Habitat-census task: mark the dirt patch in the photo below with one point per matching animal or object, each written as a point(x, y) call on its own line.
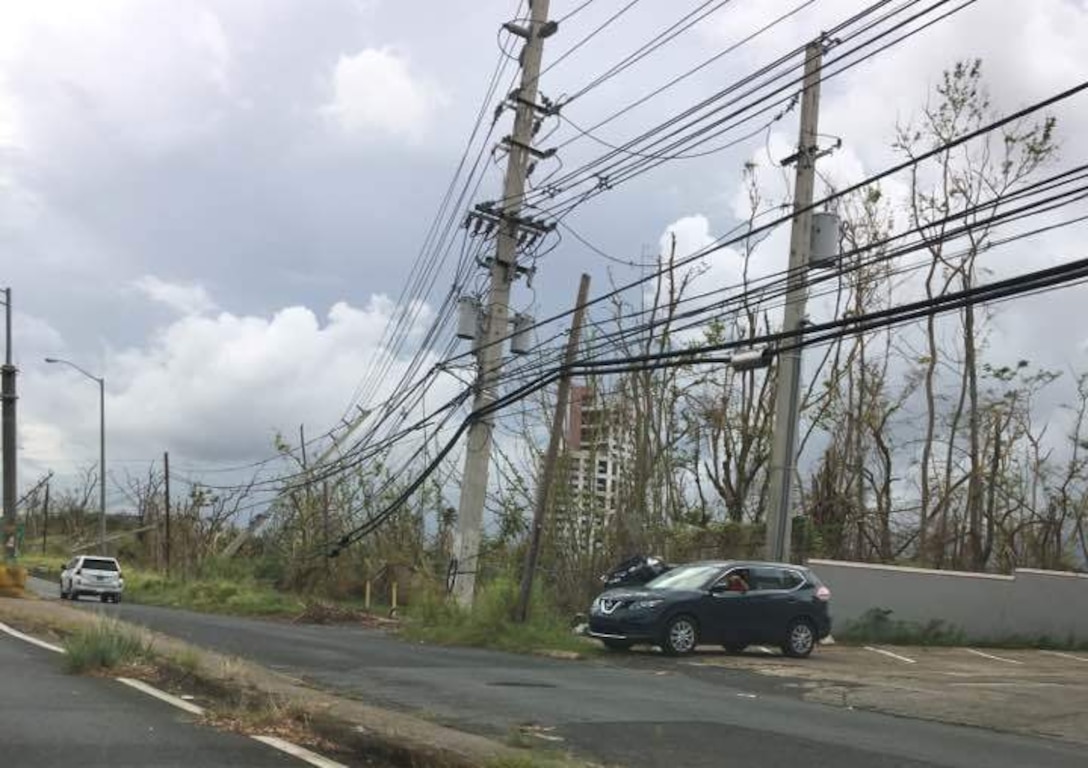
point(329, 613)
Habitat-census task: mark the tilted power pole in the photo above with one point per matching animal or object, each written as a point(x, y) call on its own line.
point(503, 271)
point(547, 472)
point(788, 393)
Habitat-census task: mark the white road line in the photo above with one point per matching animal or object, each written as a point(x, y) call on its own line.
point(896, 656)
point(1066, 656)
point(300, 752)
point(276, 743)
point(169, 698)
point(991, 656)
point(32, 640)
point(1009, 684)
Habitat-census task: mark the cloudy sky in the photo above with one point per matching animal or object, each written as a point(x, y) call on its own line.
point(215, 204)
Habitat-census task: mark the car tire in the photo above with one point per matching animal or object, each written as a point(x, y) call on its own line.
point(681, 636)
point(735, 648)
point(73, 595)
point(63, 594)
point(800, 638)
point(104, 598)
point(615, 644)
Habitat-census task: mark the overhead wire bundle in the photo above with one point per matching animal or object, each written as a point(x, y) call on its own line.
point(1057, 191)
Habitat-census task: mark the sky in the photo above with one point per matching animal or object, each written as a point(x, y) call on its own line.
point(215, 205)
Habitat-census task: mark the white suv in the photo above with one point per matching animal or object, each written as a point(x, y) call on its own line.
point(92, 575)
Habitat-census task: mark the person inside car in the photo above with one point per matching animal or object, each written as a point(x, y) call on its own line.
point(736, 582)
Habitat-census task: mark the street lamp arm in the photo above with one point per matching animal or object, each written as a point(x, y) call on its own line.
point(101, 446)
point(73, 365)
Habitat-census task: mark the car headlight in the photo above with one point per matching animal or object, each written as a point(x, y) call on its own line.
point(645, 605)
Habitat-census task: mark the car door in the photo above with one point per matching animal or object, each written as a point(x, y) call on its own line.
point(775, 601)
point(729, 610)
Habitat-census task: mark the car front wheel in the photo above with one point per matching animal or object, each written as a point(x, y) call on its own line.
point(681, 636)
point(800, 639)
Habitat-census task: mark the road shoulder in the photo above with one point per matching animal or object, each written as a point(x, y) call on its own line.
point(395, 736)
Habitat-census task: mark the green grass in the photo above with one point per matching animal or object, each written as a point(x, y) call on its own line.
point(233, 596)
point(877, 626)
point(44, 566)
point(489, 624)
point(103, 645)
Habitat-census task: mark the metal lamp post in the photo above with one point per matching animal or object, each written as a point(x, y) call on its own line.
point(101, 447)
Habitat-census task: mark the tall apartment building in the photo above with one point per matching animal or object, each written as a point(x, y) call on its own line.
point(594, 457)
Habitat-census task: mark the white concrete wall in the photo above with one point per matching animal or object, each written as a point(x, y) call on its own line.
point(1028, 604)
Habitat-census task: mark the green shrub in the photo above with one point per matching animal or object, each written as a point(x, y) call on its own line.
point(490, 623)
point(877, 626)
point(103, 645)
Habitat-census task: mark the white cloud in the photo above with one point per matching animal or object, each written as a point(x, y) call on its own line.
point(139, 74)
point(374, 91)
point(186, 299)
point(210, 389)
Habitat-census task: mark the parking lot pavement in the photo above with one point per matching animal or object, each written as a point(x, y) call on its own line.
point(1026, 691)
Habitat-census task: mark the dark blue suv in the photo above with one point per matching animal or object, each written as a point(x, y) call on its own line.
point(730, 603)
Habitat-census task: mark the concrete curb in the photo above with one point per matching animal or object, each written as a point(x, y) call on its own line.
point(400, 738)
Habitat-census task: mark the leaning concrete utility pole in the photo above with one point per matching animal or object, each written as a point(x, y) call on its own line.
point(7, 413)
point(503, 271)
point(788, 393)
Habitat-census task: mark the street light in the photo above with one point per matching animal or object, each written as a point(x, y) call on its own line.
point(101, 448)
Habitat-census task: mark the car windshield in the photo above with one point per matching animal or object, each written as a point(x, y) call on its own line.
point(686, 577)
point(93, 564)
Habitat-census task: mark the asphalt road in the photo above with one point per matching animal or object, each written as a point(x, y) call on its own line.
point(647, 712)
point(50, 719)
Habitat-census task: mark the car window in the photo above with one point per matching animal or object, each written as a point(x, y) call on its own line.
point(735, 580)
point(764, 579)
point(791, 579)
point(685, 577)
point(768, 578)
point(98, 564)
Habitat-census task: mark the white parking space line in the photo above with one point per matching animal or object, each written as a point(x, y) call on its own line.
point(32, 640)
point(1009, 684)
point(151, 690)
point(992, 657)
point(300, 752)
point(889, 654)
point(765, 650)
point(1061, 655)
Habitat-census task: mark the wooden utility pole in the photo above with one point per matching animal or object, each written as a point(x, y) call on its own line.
point(503, 271)
point(166, 499)
point(788, 392)
point(547, 473)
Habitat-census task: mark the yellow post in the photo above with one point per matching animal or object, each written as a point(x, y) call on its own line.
point(366, 599)
point(394, 605)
